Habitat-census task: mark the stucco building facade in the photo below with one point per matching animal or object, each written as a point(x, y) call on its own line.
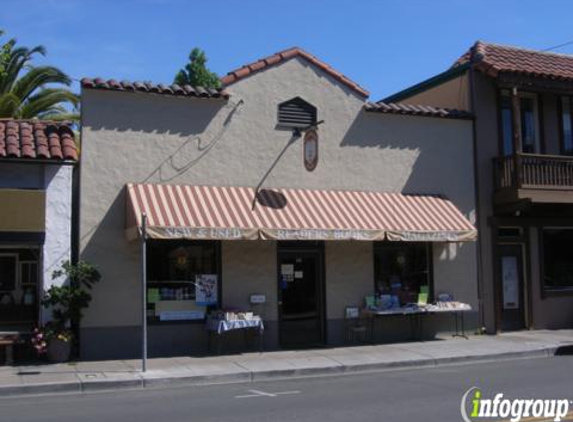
point(213, 144)
point(523, 146)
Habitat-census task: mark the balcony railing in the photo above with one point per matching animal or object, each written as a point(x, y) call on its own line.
point(534, 171)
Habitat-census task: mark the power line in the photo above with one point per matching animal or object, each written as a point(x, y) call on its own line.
point(558, 46)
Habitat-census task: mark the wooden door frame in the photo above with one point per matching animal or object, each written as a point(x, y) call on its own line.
point(318, 249)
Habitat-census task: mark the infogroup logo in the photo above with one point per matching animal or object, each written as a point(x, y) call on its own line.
point(475, 407)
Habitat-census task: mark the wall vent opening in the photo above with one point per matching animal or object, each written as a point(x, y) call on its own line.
point(296, 113)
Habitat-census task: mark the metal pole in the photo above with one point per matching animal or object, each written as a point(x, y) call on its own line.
point(144, 291)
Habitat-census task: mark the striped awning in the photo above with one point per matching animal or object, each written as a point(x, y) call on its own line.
point(206, 212)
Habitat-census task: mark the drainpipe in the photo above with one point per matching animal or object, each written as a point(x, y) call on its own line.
point(480, 287)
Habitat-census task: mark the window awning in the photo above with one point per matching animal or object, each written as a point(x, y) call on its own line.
point(206, 212)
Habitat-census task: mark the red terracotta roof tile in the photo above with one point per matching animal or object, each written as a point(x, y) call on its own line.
point(284, 55)
point(416, 110)
point(492, 59)
point(185, 90)
point(37, 139)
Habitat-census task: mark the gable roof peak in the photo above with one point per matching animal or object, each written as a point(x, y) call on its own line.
point(284, 55)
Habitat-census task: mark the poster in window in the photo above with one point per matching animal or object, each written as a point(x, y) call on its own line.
point(206, 289)
point(510, 282)
point(287, 272)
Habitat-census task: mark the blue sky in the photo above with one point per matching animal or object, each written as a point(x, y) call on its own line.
point(384, 46)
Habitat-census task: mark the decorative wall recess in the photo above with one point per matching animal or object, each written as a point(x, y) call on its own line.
point(310, 148)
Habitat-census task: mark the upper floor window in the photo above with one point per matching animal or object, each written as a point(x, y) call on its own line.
point(557, 258)
point(296, 113)
point(506, 125)
point(529, 123)
point(566, 130)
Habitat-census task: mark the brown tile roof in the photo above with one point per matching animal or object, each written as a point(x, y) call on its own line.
point(36, 139)
point(416, 110)
point(493, 58)
point(284, 55)
point(174, 89)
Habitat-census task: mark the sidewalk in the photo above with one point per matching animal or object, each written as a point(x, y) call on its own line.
point(119, 374)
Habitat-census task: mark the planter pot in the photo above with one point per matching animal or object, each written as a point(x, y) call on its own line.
point(58, 350)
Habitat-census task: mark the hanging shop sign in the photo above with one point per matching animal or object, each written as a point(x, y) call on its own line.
point(310, 149)
point(431, 236)
point(265, 233)
point(206, 233)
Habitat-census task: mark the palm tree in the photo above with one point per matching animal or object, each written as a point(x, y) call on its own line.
point(26, 91)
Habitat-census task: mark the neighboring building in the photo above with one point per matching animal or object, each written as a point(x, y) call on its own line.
point(37, 161)
point(232, 185)
point(522, 103)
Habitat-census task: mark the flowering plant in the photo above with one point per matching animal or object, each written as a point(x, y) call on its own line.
point(50, 331)
point(66, 303)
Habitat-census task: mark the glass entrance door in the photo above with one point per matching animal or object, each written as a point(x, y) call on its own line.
point(300, 287)
point(512, 287)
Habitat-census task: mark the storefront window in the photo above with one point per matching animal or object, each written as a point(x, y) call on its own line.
point(558, 259)
point(19, 281)
point(401, 269)
point(174, 271)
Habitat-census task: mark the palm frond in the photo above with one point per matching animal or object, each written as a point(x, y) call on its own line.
point(48, 100)
point(38, 77)
point(61, 117)
point(9, 105)
point(23, 92)
point(18, 59)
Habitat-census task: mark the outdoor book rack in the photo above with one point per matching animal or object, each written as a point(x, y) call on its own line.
point(416, 318)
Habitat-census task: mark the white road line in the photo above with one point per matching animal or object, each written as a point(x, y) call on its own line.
point(258, 393)
point(262, 393)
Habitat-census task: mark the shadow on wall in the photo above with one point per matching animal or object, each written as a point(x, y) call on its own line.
point(187, 128)
point(108, 235)
point(191, 151)
point(160, 114)
point(418, 152)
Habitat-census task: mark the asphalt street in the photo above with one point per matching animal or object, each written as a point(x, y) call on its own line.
point(432, 394)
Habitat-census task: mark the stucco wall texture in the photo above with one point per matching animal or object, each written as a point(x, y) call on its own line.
point(135, 137)
point(450, 94)
point(57, 245)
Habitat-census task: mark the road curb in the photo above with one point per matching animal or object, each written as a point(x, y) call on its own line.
point(146, 381)
point(182, 380)
point(39, 389)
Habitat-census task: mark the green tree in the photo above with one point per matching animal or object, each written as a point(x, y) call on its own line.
point(28, 91)
point(196, 72)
